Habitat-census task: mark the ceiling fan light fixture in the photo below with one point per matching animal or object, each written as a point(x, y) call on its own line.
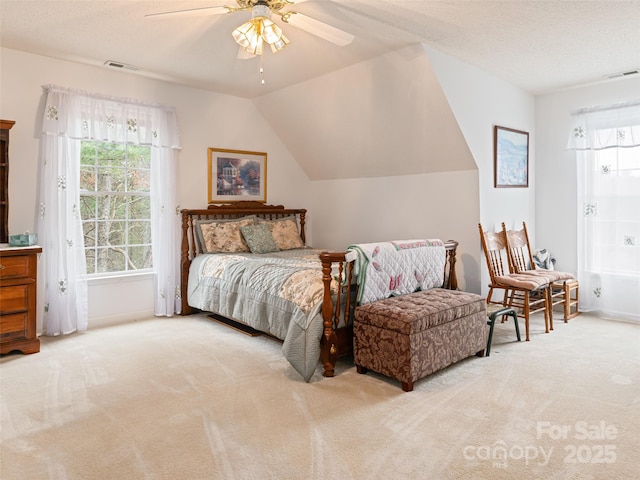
point(271, 33)
point(260, 29)
point(249, 36)
point(279, 44)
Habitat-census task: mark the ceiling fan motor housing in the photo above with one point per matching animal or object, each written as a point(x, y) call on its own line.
point(261, 9)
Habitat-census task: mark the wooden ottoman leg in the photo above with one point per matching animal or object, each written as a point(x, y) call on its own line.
point(360, 369)
point(407, 386)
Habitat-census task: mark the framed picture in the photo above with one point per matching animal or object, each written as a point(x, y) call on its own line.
point(237, 175)
point(510, 158)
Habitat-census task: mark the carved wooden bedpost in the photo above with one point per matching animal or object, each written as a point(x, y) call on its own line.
point(451, 280)
point(184, 264)
point(302, 230)
point(329, 341)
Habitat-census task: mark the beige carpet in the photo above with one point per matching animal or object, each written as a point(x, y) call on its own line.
point(186, 398)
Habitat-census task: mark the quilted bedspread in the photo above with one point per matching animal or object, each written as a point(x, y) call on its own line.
point(399, 267)
point(278, 293)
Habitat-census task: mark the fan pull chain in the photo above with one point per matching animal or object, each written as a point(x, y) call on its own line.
point(262, 69)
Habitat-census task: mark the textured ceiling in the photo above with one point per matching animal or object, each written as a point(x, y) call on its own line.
point(537, 45)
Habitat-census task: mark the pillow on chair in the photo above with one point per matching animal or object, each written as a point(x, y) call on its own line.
point(542, 258)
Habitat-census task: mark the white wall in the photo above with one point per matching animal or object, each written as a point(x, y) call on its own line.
point(480, 101)
point(206, 119)
point(445, 204)
point(439, 205)
point(556, 199)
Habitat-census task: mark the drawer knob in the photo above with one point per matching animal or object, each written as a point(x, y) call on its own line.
point(2, 267)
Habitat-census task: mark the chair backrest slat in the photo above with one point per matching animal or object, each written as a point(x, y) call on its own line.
point(518, 249)
point(494, 246)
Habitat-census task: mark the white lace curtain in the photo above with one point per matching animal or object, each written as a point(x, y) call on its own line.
point(71, 116)
point(607, 145)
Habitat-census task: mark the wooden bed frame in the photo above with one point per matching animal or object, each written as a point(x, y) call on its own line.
point(337, 337)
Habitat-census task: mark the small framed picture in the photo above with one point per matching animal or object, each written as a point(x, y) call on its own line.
point(510, 158)
point(237, 175)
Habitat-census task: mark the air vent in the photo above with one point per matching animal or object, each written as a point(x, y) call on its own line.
point(123, 66)
point(622, 74)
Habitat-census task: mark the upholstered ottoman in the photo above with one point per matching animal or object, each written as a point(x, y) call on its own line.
point(411, 336)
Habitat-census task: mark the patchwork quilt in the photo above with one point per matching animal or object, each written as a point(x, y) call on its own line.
point(398, 267)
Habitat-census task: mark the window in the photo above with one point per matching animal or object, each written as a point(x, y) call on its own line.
point(613, 208)
point(607, 144)
point(115, 207)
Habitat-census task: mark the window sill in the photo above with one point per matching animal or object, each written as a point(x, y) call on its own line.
point(119, 278)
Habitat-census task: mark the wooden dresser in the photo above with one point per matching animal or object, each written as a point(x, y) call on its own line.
point(18, 284)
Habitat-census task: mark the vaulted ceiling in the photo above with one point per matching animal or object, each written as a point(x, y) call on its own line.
point(536, 45)
point(372, 108)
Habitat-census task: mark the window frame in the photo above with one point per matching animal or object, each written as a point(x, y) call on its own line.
point(127, 220)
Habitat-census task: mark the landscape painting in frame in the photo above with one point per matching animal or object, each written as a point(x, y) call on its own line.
point(511, 157)
point(237, 175)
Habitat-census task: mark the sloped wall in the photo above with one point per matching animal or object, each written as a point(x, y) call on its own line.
point(384, 117)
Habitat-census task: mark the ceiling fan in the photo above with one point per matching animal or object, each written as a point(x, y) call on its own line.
point(253, 34)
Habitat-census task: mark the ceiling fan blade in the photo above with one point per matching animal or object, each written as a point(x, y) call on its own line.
point(192, 12)
point(320, 29)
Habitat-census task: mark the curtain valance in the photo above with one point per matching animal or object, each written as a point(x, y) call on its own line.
point(87, 116)
point(612, 127)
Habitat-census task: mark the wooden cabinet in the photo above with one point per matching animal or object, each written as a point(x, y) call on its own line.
point(5, 126)
point(18, 286)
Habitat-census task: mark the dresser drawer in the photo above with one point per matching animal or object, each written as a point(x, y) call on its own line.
point(14, 267)
point(13, 326)
point(14, 298)
point(18, 291)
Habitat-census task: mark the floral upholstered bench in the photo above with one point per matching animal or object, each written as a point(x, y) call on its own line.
point(408, 337)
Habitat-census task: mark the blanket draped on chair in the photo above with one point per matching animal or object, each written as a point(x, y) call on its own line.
point(398, 267)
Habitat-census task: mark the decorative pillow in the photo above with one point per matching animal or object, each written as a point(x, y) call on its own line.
point(284, 232)
point(259, 238)
point(198, 228)
point(224, 236)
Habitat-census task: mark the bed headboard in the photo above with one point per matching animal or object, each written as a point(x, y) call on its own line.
point(190, 247)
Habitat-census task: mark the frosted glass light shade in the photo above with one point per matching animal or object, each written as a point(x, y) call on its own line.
point(252, 34)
